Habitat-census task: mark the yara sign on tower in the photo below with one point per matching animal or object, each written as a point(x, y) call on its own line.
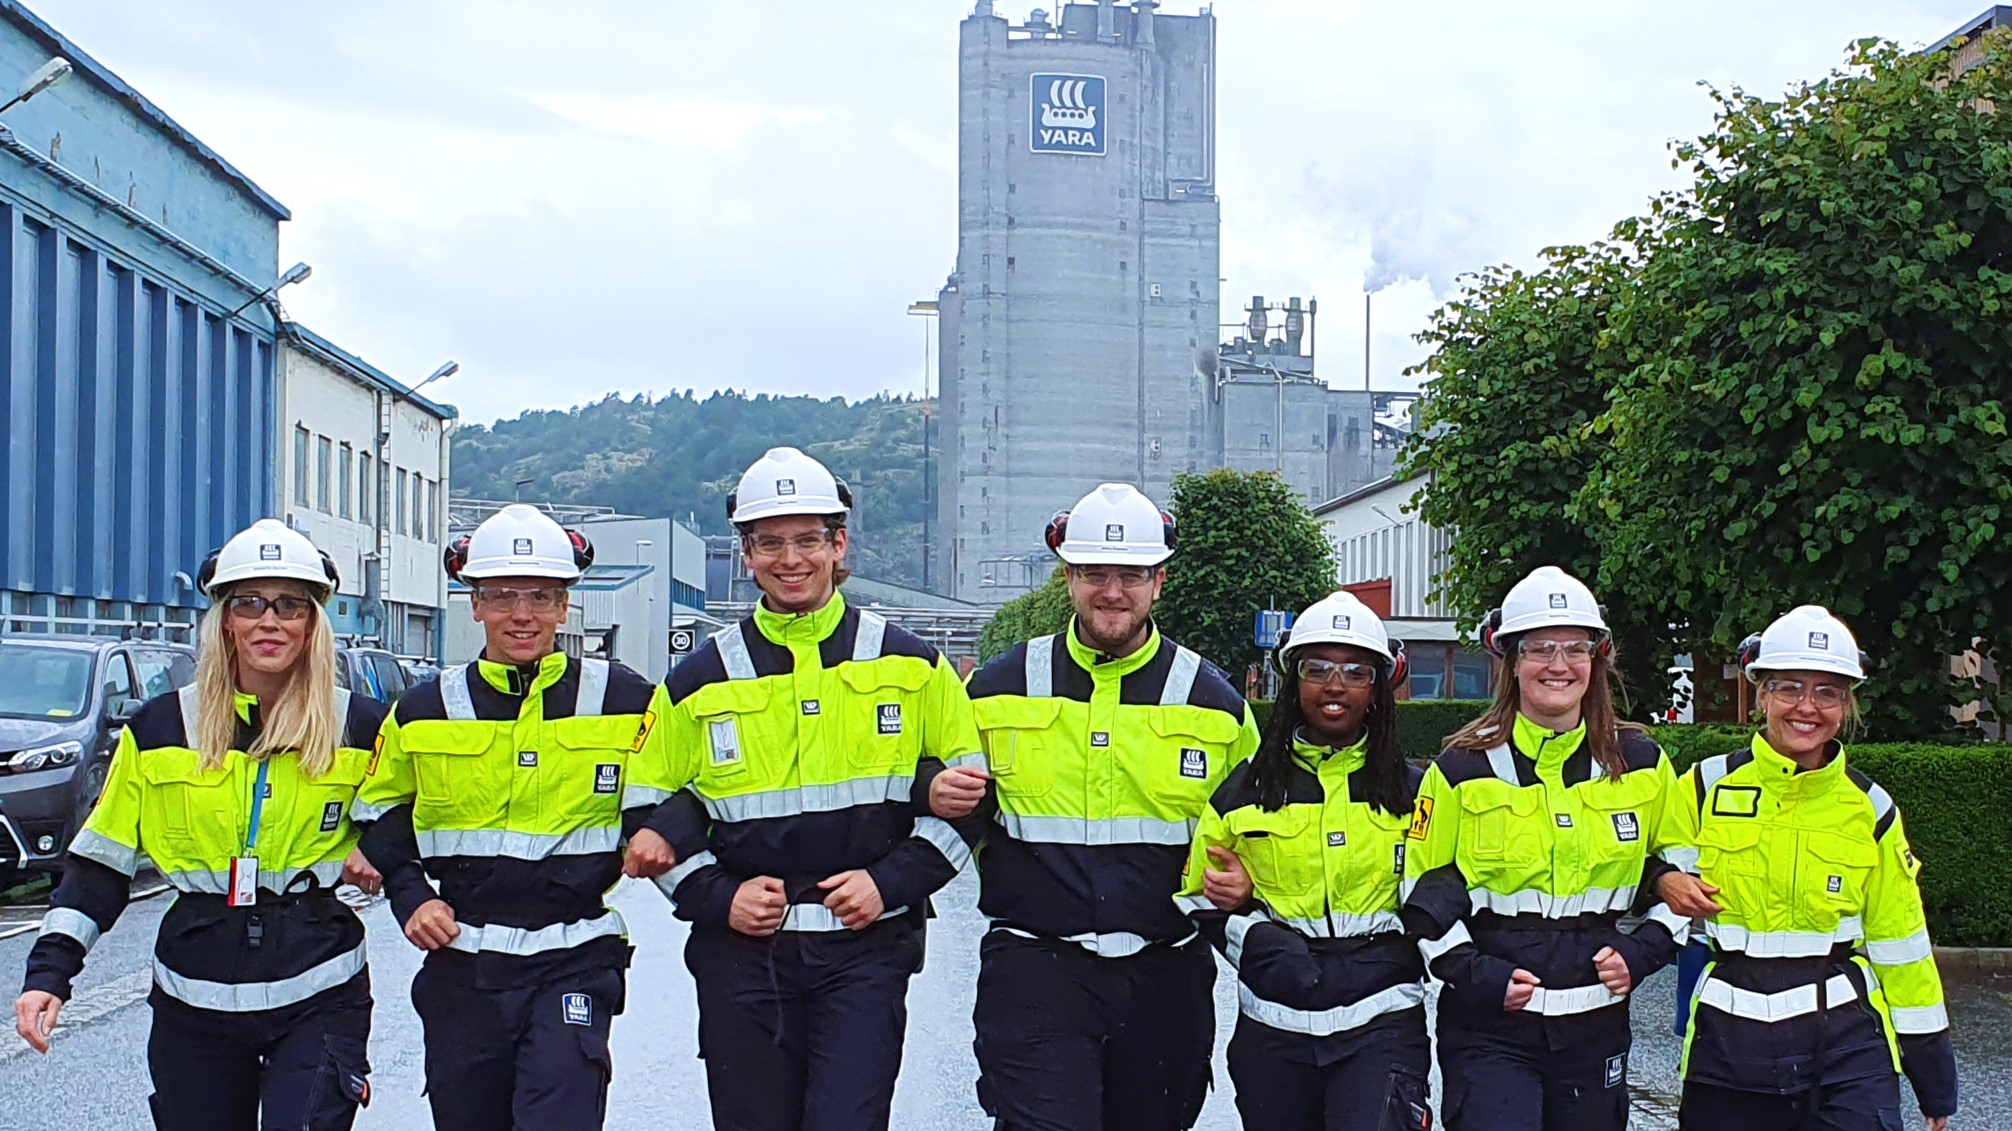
point(1067, 114)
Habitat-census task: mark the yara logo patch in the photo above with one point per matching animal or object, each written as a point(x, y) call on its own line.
point(1194, 763)
point(890, 718)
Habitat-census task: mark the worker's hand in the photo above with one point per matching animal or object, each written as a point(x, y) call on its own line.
point(854, 898)
point(1226, 885)
point(35, 1014)
point(758, 907)
point(1688, 895)
point(432, 926)
point(1937, 1122)
point(957, 791)
point(647, 856)
point(357, 870)
point(1613, 970)
point(1522, 983)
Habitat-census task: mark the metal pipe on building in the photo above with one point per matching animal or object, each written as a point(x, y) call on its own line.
point(1366, 296)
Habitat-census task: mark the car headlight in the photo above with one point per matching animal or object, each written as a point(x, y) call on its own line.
point(45, 757)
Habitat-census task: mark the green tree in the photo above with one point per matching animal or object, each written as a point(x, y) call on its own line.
point(1038, 612)
point(1519, 371)
point(1813, 405)
point(1247, 543)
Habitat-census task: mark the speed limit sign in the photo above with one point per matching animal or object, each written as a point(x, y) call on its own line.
point(683, 640)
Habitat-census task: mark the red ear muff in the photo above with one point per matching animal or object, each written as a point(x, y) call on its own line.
point(1058, 529)
point(1748, 651)
point(1490, 626)
point(1167, 530)
point(1400, 666)
point(583, 550)
point(455, 557)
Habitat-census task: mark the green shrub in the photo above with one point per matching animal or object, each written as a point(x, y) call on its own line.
point(1422, 724)
point(1689, 745)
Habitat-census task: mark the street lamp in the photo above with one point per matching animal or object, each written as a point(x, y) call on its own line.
point(521, 484)
point(47, 75)
point(294, 274)
point(926, 308)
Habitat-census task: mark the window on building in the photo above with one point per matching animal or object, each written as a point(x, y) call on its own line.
point(324, 456)
point(418, 506)
point(344, 468)
point(299, 466)
point(433, 511)
point(398, 527)
point(366, 489)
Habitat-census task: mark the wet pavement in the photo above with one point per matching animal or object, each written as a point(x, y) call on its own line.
point(96, 1076)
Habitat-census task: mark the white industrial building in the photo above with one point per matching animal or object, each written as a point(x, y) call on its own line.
point(363, 472)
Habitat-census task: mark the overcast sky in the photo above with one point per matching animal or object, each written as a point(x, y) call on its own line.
point(661, 194)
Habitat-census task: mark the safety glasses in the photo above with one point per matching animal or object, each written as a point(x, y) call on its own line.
point(1349, 674)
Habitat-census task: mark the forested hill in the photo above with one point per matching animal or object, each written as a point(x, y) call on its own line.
point(663, 458)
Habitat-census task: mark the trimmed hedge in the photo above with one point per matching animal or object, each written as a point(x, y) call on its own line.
point(1956, 802)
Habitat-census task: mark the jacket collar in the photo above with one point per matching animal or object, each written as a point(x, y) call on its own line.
point(800, 628)
point(1101, 666)
point(522, 680)
point(1545, 746)
point(1330, 759)
point(1779, 771)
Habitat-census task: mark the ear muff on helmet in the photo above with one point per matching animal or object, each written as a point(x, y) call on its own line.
point(1400, 665)
point(844, 492)
point(1748, 651)
point(455, 557)
point(1167, 534)
point(583, 550)
point(328, 567)
point(1490, 625)
point(1278, 661)
point(1058, 530)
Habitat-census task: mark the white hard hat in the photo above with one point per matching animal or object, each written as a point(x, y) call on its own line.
point(519, 541)
point(1112, 525)
point(785, 481)
point(1806, 638)
point(1342, 618)
point(1548, 598)
point(267, 550)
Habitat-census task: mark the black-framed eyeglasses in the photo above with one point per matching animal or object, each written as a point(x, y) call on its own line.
point(1349, 672)
point(251, 606)
point(1828, 696)
point(539, 598)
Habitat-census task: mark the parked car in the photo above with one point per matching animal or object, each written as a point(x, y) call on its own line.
point(63, 700)
point(371, 671)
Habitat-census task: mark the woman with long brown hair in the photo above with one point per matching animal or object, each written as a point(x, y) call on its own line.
point(238, 789)
point(1530, 838)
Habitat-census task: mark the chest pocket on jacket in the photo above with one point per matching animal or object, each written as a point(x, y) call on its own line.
point(337, 787)
point(189, 802)
point(1190, 757)
point(881, 725)
point(1274, 849)
point(588, 764)
point(451, 767)
point(1010, 728)
point(1731, 847)
point(732, 730)
point(1616, 816)
point(1499, 825)
point(1832, 871)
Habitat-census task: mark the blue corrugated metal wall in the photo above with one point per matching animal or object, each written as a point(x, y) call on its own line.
point(138, 424)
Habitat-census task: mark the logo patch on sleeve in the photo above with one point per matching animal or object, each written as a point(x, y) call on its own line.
point(890, 718)
point(1626, 827)
point(812, 706)
point(1194, 763)
point(643, 732)
point(1337, 839)
point(1736, 801)
point(376, 752)
point(1834, 885)
point(578, 1009)
point(607, 777)
point(527, 758)
point(1397, 868)
point(1100, 738)
point(331, 816)
point(1617, 1069)
point(726, 739)
point(1421, 819)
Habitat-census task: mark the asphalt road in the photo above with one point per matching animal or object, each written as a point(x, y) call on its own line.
point(96, 1075)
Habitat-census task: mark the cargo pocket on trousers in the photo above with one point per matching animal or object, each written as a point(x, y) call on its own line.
point(594, 1050)
point(340, 1087)
point(1405, 1106)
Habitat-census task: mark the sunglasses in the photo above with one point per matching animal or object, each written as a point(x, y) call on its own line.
point(251, 606)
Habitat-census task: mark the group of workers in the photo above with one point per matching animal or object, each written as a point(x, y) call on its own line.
point(804, 782)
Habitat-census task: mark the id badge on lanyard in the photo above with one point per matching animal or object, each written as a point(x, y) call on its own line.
point(244, 869)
